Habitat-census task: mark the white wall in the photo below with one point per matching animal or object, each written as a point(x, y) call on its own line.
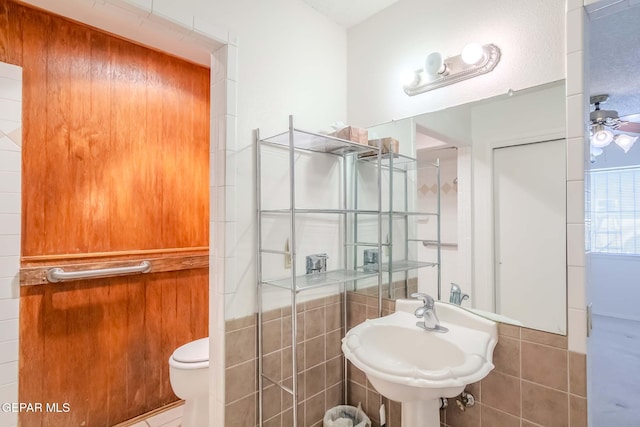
point(529, 34)
point(614, 286)
point(10, 208)
point(291, 60)
point(615, 291)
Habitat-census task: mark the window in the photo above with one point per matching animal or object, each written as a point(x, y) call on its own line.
point(615, 211)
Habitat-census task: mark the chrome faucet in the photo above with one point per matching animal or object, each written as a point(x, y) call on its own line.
point(456, 296)
point(427, 313)
point(316, 263)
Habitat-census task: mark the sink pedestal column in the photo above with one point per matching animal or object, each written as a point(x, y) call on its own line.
point(421, 413)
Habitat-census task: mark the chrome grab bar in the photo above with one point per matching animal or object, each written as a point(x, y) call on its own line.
point(56, 275)
point(436, 243)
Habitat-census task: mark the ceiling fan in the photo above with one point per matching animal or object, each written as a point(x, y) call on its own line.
point(605, 122)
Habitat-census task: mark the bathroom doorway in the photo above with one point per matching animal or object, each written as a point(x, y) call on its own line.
point(612, 217)
point(427, 193)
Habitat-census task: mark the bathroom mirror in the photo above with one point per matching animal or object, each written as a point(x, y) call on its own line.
point(502, 196)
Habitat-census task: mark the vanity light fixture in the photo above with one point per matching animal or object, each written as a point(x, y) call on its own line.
point(475, 60)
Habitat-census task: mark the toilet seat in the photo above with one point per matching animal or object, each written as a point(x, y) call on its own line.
point(192, 355)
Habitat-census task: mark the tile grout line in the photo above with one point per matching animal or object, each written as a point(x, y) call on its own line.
point(520, 382)
point(569, 387)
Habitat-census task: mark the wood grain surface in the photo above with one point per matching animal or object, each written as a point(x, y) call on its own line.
point(115, 168)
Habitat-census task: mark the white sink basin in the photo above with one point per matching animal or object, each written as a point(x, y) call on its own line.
point(416, 367)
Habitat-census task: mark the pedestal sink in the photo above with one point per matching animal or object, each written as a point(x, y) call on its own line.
point(416, 367)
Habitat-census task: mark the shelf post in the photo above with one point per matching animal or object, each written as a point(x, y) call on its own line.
point(294, 291)
point(439, 248)
point(259, 274)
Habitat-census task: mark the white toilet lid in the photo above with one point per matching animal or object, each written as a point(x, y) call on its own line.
point(193, 352)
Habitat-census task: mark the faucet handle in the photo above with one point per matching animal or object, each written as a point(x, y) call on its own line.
point(426, 299)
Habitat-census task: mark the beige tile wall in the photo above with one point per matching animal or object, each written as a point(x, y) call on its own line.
point(320, 365)
point(537, 381)
point(359, 391)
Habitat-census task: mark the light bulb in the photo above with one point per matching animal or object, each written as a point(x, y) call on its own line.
point(596, 151)
point(625, 141)
point(601, 137)
point(434, 65)
point(473, 54)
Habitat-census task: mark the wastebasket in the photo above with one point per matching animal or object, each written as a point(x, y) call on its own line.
point(346, 416)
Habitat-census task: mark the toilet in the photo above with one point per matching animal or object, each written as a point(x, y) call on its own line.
point(189, 377)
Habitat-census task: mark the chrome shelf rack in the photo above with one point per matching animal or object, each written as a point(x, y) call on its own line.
point(296, 141)
point(398, 164)
point(350, 156)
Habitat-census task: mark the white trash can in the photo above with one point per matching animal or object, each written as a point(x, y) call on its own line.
point(346, 416)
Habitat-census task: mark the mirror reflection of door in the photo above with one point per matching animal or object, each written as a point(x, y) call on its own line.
point(530, 233)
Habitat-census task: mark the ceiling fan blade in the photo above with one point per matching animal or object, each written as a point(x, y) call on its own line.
point(631, 118)
point(632, 127)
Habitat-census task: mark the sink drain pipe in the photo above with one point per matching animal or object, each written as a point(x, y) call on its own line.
point(444, 402)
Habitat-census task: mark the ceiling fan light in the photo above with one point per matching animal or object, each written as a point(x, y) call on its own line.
point(625, 141)
point(596, 151)
point(601, 137)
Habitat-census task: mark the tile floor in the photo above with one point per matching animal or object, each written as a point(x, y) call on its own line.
point(614, 353)
point(170, 418)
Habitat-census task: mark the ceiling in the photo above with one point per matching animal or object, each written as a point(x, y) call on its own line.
point(615, 58)
point(348, 13)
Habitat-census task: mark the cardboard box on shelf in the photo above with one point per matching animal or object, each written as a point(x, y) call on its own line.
point(353, 134)
point(387, 145)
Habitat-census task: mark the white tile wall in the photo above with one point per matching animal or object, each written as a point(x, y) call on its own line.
point(576, 297)
point(8, 352)
point(10, 209)
point(575, 116)
point(6, 144)
point(222, 227)
point(9, 223)
point(9, 202)
point(575, 202)
point(9, 330)
point(577, 108)
point(575, 64)
point(575, 31)
point(8, 393)
point(9, 266)
point(577, 330)
point(9, 308)
point(575, 159)
point(172, 15)
point(9, 373)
